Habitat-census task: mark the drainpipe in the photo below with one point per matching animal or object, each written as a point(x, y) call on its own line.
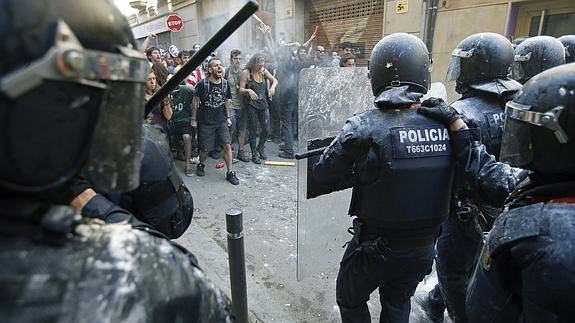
point(429, 28)
point(511, 21)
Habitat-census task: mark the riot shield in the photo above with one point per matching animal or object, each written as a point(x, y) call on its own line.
point(327, 98)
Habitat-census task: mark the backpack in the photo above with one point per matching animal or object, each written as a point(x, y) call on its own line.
point(206, 83)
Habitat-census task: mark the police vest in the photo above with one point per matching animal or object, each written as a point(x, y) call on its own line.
point(411, 184)
point(487, 113)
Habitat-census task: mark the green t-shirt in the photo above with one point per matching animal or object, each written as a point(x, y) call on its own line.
point(182, 101)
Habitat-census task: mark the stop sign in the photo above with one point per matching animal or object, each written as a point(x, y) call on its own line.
point(174, 22)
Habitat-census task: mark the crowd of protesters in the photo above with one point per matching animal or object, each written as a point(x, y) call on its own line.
point(253, 99)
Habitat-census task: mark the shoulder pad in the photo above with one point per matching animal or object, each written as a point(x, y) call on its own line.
point(519, 223)
point(458, 105)
point(471, 104)
point(499, 87)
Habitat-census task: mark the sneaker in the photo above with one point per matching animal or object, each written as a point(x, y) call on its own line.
point(200, 170)
point(188, 170)
point(286, 155)
point(232, 178)
point(262, 153)
point(242, 156)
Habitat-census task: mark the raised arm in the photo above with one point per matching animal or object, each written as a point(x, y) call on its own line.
point(274, 81)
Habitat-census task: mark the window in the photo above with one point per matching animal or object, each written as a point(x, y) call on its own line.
point(553, 25)
point(551, 18)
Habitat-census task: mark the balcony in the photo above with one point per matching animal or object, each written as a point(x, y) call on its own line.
point(139, 4)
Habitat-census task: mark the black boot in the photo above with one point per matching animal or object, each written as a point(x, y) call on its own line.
point(242, 156)
point(433, 305)
point(261, 151)
point(256, 157)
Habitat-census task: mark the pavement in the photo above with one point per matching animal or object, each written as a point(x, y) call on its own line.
point(267, 196)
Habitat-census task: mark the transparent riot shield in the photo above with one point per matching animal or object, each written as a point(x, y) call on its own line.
point(327, 98)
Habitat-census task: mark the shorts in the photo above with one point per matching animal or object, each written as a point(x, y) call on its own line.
point(238, 117)
point(176, 131)
point(211, 135)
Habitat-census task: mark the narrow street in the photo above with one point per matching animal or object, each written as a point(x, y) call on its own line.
point(267, 195)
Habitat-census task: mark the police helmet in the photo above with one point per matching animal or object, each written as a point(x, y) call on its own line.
point(535, 55)
point(540, 123)
point(397, 60)
point(480, 57)
point(71, 95)
point(515, 42)
point(568, 42)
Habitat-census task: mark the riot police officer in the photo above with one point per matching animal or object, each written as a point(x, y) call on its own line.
point(385, 154)
point(525, 272)
point(568, 42)
point(71, 98)
point(535, 55)
point(480, 65)
point(515, 42)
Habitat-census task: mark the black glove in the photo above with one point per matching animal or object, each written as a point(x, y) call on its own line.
point(439, 110)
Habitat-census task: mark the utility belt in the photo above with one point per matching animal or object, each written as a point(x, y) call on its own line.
point(392, 239)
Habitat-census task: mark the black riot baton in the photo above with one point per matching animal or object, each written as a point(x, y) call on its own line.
point(211, 45)
point(309, 153)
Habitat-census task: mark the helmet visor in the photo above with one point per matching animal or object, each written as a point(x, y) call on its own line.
point(118, 80)
point(115, 154)
point(516, 141)
point(454, 69)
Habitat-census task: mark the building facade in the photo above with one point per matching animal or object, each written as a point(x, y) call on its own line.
point(442, 24)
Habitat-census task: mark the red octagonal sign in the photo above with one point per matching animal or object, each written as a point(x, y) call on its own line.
point(174, 22)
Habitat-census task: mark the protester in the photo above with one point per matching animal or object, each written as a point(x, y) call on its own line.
point(211, 107)
point(348, 60)
point(253, 86)
point(238, 111)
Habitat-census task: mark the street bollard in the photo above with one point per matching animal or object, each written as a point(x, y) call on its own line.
point(237, 262)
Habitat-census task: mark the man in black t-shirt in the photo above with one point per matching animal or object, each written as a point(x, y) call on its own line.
point(214, 99)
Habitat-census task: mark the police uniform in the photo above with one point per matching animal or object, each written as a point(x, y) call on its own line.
point(386, 155)
point(57, 267)
point(483, 106)
point(82, 112)
point(162, 200)
point(479, 64)
point(535, 240)
point(525, 270)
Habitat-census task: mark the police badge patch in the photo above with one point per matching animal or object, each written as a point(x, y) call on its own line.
point(418, 142)
point(495, 122)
